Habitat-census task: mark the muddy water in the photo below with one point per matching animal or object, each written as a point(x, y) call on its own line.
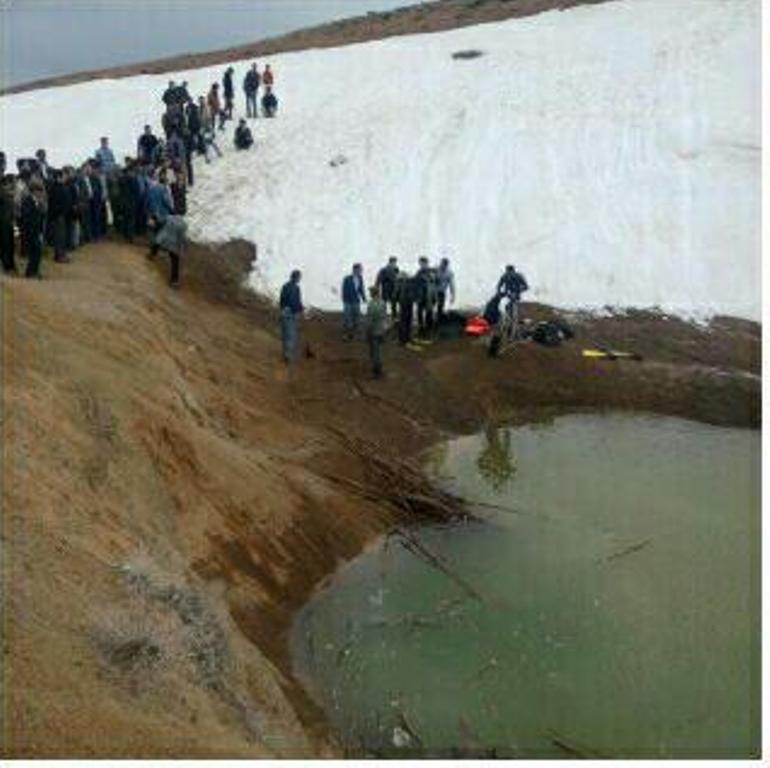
point(608, 608)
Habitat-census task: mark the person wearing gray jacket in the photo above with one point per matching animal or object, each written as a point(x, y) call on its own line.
point(376, 328)
point(445, 281)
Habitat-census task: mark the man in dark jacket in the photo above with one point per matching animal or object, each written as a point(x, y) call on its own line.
point(243, 138)
point(291, 309)
point(406, 295)
point(58, 209)
point(353, 294)
point(145, 147)
point(511, 285)
point(32, 223)
point(229, 92)
point(386, 282)
point(98, 201)
point(250, 88)
point(269, 102)
point(7, 214)
point(425, 280)
point(128, 192)
point(169, 95)
point(195, 127)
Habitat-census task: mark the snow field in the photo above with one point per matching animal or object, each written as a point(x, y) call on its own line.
point(611, 152)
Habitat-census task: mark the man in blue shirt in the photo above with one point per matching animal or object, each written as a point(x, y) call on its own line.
point(105, 155)
point(352, 295)
point(291, 308)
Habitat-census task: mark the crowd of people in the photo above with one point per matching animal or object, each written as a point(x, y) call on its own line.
point(147, 196)
point(391, 303)
point(67, 207)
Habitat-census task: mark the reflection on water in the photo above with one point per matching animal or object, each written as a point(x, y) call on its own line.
point(495, 461)
point(610, 608)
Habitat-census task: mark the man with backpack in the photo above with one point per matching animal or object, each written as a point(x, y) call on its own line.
point(250, 88)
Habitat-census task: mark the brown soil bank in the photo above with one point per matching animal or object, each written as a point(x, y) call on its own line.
point(171, 495)
point(425, 17)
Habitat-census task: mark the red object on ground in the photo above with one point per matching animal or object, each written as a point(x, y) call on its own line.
point(477, 326)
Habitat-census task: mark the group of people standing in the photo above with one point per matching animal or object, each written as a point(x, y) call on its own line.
point(67, 207)
point(392, 300)
point(59, 207)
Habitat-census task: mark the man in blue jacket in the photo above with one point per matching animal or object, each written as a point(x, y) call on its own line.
point(352, 295)
point(291, 308)
point(250, 88)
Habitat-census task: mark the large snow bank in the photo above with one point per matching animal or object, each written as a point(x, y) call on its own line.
point(611, 152)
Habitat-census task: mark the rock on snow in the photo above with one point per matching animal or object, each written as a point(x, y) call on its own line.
point(611, 152)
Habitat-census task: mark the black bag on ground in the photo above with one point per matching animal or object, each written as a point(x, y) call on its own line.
point(551, 333)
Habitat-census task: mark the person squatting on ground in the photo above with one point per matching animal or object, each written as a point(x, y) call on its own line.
point(269, 102)
point(376, 328)
point(445, 287)
point(290, 305)
point(250, 89)
point(243, 138)
point(386, 282)
point(352, 295)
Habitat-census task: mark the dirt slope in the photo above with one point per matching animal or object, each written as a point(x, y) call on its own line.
point(171, 495)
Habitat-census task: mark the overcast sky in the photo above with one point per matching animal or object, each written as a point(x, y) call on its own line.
point(54, 37)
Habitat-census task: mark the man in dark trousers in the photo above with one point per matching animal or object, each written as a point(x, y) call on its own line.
point(426, 295)
point(386, 282)
point(291, 309)
point(32, 224)
point(58, 209)
point(376, 327)
point(511, 285)
point(250, 88)
point(352, 295)
point(406, 294)
point(228, 92)
point(7, 214)
point(145, 146)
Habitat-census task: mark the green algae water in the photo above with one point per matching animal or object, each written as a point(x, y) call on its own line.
point(607, 606)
